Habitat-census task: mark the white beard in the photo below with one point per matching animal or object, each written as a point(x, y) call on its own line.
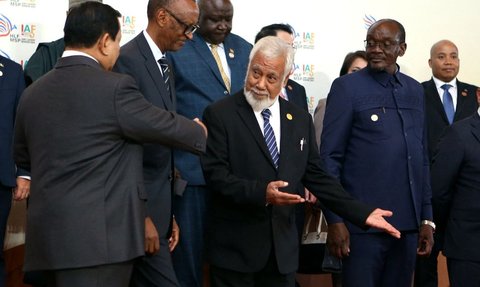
point(256, 104)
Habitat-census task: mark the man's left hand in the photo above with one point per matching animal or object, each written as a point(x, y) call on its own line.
point(22, 190)
point(173, 240)
point(425, 241)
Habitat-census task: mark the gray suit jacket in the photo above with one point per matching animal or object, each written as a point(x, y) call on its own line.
point(136, 59)
point(79, 131)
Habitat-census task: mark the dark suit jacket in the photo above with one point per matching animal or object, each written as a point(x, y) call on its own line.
point(296, 94)
point(11, 87)
point(79, 130)
point(435, 114)
point(136, 59)
point(238, 167)
point(199, 83)
point(456, 188)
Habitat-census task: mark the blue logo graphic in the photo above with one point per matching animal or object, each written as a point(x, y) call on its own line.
point(5, 26)
point(369, 20)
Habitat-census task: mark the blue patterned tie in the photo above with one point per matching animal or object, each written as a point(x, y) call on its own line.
point(165, 72)
point(448, 102)
point(270, 137)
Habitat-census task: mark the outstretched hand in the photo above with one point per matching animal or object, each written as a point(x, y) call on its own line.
point(375, 219)
point(276, 197)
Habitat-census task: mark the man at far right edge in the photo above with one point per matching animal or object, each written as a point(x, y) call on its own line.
point(374, 142)
point(447, 100)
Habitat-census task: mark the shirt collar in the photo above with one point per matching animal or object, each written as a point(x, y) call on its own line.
point(384, 78)
point(439, 83)
point(68, 53)
point(157, 53)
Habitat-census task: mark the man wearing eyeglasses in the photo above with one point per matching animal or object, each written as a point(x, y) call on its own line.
point(170, 25)
point(210, 67)
point(374, 142)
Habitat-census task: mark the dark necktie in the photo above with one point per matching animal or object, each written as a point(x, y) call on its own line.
point(165, 72)
point(270, 137)
point(448, 102)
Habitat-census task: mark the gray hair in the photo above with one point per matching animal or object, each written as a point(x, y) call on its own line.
point(274, 47)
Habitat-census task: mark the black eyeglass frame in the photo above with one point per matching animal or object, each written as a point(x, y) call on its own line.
point(189, 29)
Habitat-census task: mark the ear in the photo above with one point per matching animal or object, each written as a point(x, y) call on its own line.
point(403, 48)
point(161, 17)
point(430, 63)
point(103, 44)
point(285, 81)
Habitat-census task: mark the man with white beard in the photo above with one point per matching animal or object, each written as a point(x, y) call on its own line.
point(260, 148)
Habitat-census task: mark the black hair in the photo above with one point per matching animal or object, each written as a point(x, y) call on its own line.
point(87, 22)
point(350, 58)
point(271, 30)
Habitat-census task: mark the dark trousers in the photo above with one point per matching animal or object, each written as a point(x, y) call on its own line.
point(378, 259)
point(190, 214)
point(110, 275)
point(426, 267)
point(156, 270)
point(463, 273)
point(5, 205)
point(269, 276)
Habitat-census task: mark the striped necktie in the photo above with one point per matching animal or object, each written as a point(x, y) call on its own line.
point(270, 137)
point(225, 78)
point(165, 72)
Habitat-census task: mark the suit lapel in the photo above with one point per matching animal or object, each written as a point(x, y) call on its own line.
point(154, 72)
point(462, 99)
point(476, 126)
point(287, 143)
point(204, 51)
point(236, 71)
point(248, 117)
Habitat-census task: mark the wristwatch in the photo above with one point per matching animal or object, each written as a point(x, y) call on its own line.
point(429, 223)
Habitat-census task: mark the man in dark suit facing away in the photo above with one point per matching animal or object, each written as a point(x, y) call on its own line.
point(456, 194)
point(252, 236)
point(170, 25)
point(79, 131)
point(445, 64)
point(456, 197)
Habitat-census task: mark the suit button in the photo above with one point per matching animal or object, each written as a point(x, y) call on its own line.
point(225, 92)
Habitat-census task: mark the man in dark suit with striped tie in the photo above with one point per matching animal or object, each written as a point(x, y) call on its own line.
point(260, 149)
point(210, 67)
point(170, 25)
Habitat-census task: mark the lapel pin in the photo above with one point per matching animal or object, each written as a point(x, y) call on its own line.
point(289, 116)
point(289, 87)
point(464, 92)
point(374, 118)
point(1, 73)
point(231, 53)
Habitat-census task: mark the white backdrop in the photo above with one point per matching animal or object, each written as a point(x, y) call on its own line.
point(326, 31)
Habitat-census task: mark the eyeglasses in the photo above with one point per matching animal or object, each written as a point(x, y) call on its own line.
point(189, 29)
point(370, 44)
